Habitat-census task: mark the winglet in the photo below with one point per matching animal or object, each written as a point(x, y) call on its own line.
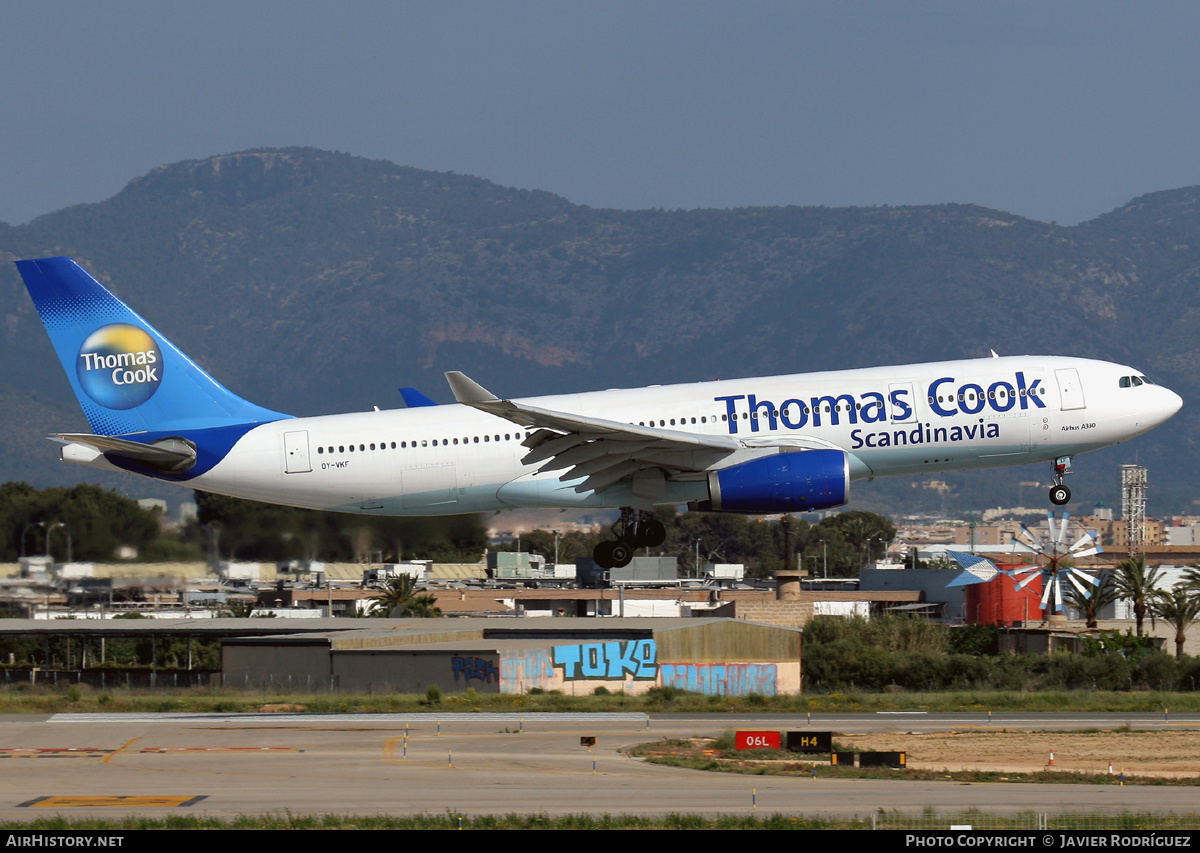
point(467, 390)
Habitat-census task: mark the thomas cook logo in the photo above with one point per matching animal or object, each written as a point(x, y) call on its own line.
point(119, 366)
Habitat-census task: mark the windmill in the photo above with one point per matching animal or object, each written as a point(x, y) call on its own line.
point(1056, 566)
point(1052, 550)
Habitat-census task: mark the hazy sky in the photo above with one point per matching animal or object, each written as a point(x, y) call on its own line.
point(1056, 111)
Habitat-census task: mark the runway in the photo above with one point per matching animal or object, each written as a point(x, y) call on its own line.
point(235, 764)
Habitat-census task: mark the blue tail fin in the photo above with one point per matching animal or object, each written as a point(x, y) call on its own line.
point(128, 378)
point(414, 399)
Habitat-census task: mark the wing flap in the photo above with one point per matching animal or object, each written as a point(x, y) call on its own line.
point(602, 451)
point(477, 397)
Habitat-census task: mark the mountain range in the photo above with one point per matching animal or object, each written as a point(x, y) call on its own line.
point(313, 281)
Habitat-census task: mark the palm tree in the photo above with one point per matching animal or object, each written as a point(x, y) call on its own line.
point(395, 594)
point(1178, 608)
point(422, 607)
point(1099, 597)
point(398, 598)
point(1191, 577)
point(1137, 583)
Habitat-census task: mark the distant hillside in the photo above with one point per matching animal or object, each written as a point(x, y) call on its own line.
point(312, 282)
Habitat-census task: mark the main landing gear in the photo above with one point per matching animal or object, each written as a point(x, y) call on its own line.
point(1060, 494)
point(635, 529)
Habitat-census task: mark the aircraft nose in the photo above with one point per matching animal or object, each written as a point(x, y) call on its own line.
point(1170, 404)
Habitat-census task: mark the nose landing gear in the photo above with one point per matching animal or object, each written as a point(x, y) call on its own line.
point(1060, 494)
point(635, 529)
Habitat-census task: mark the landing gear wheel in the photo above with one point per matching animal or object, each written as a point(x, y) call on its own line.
point(622, 554)
point(652, 534)
point(1060, 495)
point(602, 555)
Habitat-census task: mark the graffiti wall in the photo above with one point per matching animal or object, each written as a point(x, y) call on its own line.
point(631, 666)
point(619, 660)
point(525, 668)
point(472, 669)
point(722, 679)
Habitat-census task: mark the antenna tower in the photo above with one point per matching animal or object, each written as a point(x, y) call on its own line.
point(1133, 507)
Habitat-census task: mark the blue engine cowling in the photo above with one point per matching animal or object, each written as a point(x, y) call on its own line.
point(786, 482)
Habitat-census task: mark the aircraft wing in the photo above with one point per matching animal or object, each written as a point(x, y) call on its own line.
point(603, 452)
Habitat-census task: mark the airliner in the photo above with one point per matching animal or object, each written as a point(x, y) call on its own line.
point(775, 444)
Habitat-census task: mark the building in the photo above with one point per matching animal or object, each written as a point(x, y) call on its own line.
point(577, 656)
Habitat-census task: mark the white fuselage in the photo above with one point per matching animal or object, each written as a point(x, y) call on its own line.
point(911, 419)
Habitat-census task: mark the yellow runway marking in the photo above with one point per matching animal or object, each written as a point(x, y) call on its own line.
point(66, 752)
point(168, 802)
point(389, 748)
point(108, 758)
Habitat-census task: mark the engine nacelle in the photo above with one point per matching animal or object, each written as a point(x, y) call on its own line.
point(785, 482)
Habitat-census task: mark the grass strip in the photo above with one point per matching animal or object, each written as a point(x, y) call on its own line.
point(929, 819)
point(719, 756)
point(22, 698)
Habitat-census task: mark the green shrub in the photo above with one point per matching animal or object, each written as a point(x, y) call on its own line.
point(1157, 672)
point(665, 694)
point(974, 640)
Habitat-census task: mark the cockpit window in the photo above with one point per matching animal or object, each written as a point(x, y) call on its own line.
point(1137, 380)
point(1125, 382)
point(1146, 380)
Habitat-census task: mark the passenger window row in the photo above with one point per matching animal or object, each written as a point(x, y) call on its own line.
point(672, 422)
point(403, 445)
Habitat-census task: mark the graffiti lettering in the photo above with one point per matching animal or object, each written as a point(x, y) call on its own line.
point(470, 668)
point(525, 668)
point(722, 679)
point(636, 658)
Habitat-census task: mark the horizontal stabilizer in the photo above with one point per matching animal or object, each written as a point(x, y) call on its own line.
point(173, 455)
point(414, 399)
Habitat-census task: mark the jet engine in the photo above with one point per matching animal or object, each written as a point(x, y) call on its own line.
point(784, 482)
